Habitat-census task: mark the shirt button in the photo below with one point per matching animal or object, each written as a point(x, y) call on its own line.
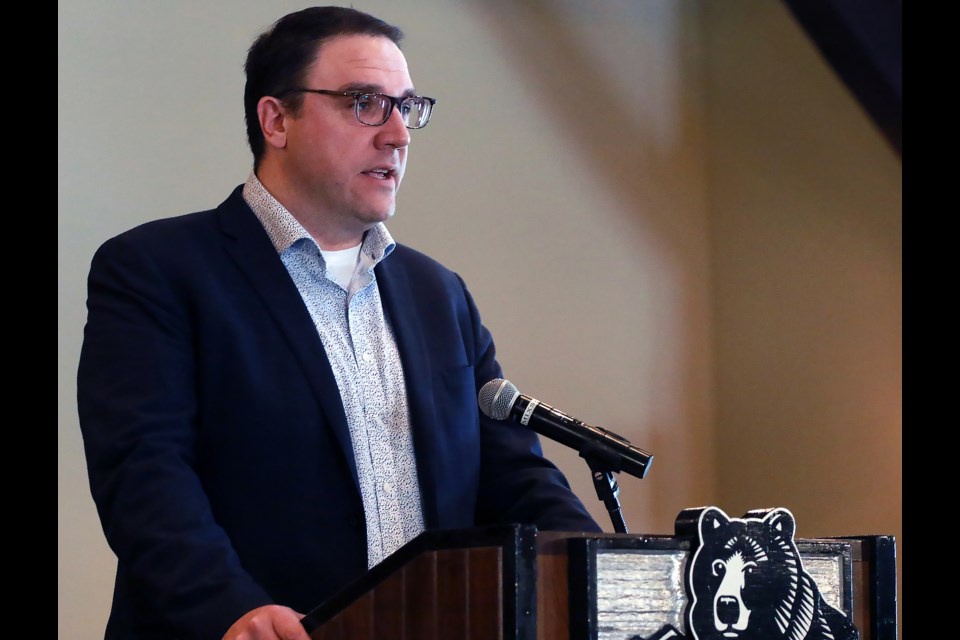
point(367, 357)
point(388, 487)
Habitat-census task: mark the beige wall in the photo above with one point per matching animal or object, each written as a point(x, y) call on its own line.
point(805, 204)
point(584, 172)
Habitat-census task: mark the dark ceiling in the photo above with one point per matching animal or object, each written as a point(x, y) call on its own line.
point(863, 41)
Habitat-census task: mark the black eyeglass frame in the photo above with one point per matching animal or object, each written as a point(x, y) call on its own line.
point(357, 95)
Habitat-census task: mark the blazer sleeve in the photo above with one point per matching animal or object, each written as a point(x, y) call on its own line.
point(137, 406)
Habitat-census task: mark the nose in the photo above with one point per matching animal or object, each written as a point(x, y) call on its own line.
point(393, 133)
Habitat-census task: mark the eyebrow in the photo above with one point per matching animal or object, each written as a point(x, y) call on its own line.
point(374, 88)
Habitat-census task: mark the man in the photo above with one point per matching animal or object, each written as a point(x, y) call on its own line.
point(275, 396)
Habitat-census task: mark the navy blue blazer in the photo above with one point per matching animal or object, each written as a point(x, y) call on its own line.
point(217, 445)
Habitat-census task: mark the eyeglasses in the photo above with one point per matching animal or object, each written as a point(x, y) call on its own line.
point(374, 109)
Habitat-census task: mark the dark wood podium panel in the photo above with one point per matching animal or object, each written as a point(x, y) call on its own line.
point(875, 586)
point(452, 593)
point(473, 584)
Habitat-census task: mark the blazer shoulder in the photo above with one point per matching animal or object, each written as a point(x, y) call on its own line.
point(179, 232)
point(422, 265)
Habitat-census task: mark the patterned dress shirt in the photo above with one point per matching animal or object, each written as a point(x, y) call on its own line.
point(366, 364)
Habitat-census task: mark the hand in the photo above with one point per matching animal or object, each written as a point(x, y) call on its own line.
point(270, 622)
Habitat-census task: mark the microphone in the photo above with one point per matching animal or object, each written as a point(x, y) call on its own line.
point(500, 400)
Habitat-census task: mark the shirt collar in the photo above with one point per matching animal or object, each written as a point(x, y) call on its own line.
point(284, 230)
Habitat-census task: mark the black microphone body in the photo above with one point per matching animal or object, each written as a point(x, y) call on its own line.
point(500, 400)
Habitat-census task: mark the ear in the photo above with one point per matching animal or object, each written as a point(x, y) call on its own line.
point(712, 520)
point(272, 116)
point(782, 521)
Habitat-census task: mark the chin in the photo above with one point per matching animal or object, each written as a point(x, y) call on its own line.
point(371, 218)
point(385, 213)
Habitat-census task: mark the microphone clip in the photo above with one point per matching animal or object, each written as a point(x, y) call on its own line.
point(603, 463)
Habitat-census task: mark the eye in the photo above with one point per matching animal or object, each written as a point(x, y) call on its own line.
point(406, 107)
point(364, 102)
point(750, 568)
point(719, 568)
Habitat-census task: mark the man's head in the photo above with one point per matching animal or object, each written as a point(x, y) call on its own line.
point(323, 146)
point(280, 58)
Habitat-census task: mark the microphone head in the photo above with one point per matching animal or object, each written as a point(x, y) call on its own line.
point(496, 398)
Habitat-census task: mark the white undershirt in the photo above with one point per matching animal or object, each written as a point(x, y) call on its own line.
point(341, 265)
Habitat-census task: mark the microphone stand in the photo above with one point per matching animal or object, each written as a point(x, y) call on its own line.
point(603, 462)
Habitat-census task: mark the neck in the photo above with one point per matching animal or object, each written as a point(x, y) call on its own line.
point(321, 226)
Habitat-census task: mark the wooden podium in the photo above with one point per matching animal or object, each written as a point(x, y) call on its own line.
point(518, 583)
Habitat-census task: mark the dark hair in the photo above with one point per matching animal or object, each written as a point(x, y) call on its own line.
point(280, 56)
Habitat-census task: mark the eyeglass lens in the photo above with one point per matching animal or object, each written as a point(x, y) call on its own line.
point(373, 109)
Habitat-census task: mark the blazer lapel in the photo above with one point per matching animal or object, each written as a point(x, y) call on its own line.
point(256, 257)
point(401, 310)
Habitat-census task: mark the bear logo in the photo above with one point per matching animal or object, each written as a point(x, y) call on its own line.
point(746, 581)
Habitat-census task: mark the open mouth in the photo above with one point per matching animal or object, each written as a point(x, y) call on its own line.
point(381, 173)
